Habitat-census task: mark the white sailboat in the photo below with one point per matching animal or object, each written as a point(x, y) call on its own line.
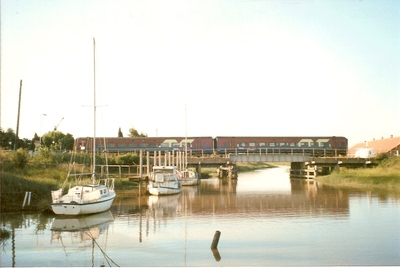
point(91, 198)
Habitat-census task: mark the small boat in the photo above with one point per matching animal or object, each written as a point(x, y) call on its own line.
point(188, 177)
point(87, 198)
point(164, 181)
point(84, 199)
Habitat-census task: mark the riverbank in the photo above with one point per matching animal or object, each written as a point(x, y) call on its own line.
point(40, 181)
point(386, 176)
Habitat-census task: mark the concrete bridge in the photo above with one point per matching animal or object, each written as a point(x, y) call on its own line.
point(301, 165)
point(255, 157)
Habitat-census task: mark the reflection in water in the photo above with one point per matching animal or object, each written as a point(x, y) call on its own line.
point(72, 233)
point(266, 219)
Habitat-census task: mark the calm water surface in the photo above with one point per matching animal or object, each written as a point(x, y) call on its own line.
point(265, 219)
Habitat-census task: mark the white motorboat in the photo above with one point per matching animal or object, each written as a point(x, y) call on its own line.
point(164, 181)
point(188, 177)
point(87, 198)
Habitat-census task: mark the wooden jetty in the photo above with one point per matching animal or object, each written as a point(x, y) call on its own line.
point(323, 166)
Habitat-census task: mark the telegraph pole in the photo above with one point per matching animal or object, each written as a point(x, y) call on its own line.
point(19, 109)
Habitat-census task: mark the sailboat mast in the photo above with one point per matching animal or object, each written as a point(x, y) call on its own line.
point(94, 111)
point(186, 152)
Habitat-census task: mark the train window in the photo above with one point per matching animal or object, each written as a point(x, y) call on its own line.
point(144, 145)
point(272, 144)
point(132, 145)
point(187, 144)
point(323, 144)
point(111, 145)
point(175, 145)
point(252, 144)
point(153, 145)
point(283, 144)
point(292, 144)
point(242, 144)
point(164, 144)
point(263, 144)
point(121, 145)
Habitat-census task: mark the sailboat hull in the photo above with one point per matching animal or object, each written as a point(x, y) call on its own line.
point(80, 208)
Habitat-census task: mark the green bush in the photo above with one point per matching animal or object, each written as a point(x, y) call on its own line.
point(128, 159)
point(6, 164)
point(20, 158)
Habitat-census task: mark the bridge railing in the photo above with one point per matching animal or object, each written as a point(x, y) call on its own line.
point(255, 157)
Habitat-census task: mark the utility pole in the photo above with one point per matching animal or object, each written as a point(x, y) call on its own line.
point(19, 109)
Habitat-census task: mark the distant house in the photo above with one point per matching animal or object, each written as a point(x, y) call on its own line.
point(368, 149)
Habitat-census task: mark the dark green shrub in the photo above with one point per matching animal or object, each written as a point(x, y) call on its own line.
point(20, 158)
point(128, 159)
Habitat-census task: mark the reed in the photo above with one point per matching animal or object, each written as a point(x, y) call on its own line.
point(13, 188)
point(385, 176)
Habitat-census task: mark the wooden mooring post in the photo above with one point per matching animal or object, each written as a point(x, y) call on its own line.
point(214, 246)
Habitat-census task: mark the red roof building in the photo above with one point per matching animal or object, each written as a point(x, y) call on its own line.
point(390, 146)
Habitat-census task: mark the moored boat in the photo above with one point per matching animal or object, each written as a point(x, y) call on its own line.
point(188, 177)
point(164, 181)
point(85, 198)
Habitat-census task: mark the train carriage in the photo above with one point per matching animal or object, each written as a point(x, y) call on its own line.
point(318, 145)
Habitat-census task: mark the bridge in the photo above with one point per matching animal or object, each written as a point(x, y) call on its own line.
point(256, 157)
point(302, 165)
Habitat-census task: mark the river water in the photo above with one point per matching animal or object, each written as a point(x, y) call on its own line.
point(264, 219)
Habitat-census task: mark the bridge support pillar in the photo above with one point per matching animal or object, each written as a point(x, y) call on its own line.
point(199, 170)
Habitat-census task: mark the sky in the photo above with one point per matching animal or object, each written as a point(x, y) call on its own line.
point(202, 68)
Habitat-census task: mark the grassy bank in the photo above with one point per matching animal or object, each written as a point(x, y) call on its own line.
point(41, 179)
point(385, 176)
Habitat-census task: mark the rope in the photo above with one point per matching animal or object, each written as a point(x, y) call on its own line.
point(102, 251)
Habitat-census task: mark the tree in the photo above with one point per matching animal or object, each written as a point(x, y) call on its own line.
point(57, 140)
point(120, 133)
point(134, 133)
point(7, 139)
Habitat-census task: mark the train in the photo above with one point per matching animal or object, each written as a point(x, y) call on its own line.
point(313, 145)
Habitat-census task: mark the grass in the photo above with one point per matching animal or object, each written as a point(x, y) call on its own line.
point(385, 176)
point(13, 188)
point(244, 167)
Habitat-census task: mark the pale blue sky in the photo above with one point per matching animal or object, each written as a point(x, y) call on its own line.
point(258, 68)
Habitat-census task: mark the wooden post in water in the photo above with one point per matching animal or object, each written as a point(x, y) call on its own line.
point(140, 166)
point(199, 170)
point(215, 241)
point(148, 163)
